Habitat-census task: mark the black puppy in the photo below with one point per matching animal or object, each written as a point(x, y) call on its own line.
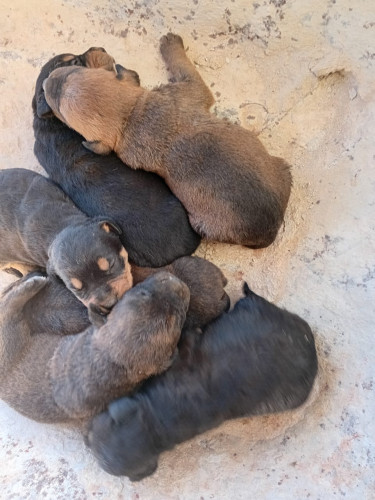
point(41, 227)
point(254, 360)
point(155, 226)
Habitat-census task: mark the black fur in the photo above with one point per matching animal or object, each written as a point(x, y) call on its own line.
point(156, 230)
point(254, 360)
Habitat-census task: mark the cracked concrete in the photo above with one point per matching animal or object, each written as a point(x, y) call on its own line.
point(300, 74)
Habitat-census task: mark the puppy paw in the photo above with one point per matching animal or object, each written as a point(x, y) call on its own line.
point(170, 41)
point(24, 289)
point(34, 282)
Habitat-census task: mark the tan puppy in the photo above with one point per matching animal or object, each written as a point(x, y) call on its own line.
point(232, 189)
point(50, 377)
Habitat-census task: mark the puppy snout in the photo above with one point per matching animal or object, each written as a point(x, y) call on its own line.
point(178, 287)
point(104, 310)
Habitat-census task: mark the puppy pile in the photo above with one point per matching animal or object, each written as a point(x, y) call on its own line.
point(112, 322)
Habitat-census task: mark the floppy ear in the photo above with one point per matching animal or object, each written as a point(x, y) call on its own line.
point(110, 226)
point(246, 290)
point(42, 108)
point(96, 318)
point(127, 74)
point(122, 409)
point(96, 147)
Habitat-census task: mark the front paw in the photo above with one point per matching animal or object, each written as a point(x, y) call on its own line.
point(169, 42)
point(26, 287)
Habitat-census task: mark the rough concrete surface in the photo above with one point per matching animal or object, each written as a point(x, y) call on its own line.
point(301, 74)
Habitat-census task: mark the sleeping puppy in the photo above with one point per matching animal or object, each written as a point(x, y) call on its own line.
point(206, 283)
point(155, 227)
point(232, 189)
point(41, 227)
point(254, 360)
point(55, 378)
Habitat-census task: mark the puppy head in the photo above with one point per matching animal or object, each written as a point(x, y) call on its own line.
point(206, 282)
point(151, 315)
point(93, 264)
point(121, 442)
point(94, 102)
point(95, 57)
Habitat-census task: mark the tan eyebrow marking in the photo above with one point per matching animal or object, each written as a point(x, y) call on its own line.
point(124, 254)
point(76, 283)
point(103, 263)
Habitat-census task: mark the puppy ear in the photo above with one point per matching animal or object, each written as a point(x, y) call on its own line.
point(111, 226)
point(128, 75)
point(96, 147)
point(123, 409)
point(42, 108)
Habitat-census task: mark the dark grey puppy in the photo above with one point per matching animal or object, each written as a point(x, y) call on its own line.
point(155, 226)
point(41, 227)
point(54, 378)
point(254, 360)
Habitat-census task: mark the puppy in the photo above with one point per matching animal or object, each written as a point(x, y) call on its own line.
point(256, 359)
point(155, 227)
point(54, 378)
point(206, 283)
point(41, 227)
point(232, 189)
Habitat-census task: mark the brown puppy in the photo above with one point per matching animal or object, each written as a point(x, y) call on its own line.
point(51, 378)
point(41, 227)
point(233, 190)
point(206, 283)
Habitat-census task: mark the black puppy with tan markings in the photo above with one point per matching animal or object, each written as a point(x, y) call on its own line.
point(232, 189)
point(155, 226)
point(50, 377)
point(257, 359)
point(40, 227)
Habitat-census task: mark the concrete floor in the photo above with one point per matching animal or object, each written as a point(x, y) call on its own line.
point(301, 73)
